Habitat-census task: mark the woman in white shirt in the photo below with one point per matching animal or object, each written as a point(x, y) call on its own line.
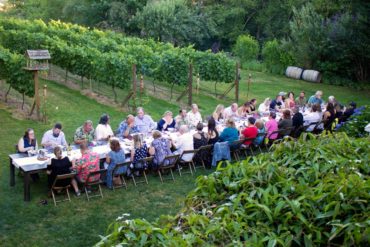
point(265, 106)
point(103, 131)
point(194, 116)
point(313, 117)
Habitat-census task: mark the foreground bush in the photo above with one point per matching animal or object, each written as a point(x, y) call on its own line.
point(307, 193)
point(356, 124)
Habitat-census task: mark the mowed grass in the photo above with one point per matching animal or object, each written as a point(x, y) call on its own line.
point(80, 223)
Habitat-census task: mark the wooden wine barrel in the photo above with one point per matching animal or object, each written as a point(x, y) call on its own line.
point(293, 72)
point(311, 75)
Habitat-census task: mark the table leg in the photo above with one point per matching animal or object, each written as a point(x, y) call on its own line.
point(26, 189)
point(12, 172)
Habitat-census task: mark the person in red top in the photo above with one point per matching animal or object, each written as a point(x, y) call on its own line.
point(250, 132)
point(89, 162)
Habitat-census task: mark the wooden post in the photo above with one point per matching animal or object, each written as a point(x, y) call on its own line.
point(134, 85)
point(37, 96)
point(237, 78)
point(141, 89)
point(44, 106)
point(190, 85)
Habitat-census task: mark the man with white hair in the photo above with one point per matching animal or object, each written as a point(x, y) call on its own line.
point(194, 116)
point(331, 99)
point(127, 127)
point(144, 122)
point(316, 99)
point(231, 111)
point(184, 142)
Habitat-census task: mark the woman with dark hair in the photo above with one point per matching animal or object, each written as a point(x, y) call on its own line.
point(290, 102)
point(59, 166)
point(329, 115)
point(212, 131)
point(200, 138)
point(28, 142)
point(245, 109)
point(103, 131)
point(285, 122)
point(253, 104)
point(114, 157)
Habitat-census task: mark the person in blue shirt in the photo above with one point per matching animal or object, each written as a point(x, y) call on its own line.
point(127, 128)
point(316, 99)
point(166, 122)
point(276, 104)
point(230, 133)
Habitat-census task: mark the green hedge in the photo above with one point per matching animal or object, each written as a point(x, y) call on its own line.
point(304, 192)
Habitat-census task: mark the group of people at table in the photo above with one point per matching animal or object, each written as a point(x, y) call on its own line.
point(225, 125)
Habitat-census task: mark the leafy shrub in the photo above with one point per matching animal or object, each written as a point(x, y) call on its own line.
point(246, 48)
point(255, 66)
point(275, 58)
point(308, 193)
point(355, 126)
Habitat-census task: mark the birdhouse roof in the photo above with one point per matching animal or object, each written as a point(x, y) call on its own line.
point(38, 54)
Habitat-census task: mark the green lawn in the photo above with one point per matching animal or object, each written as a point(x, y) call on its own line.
point(79, 223)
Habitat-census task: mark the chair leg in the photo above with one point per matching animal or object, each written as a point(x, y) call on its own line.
point(123, 181)
point(146, 180)
point(69, 198)
point(53, 195)
point(179, 169)
point(133, 179)
point(160, 175)
point(172, 174)
point(101, 192)
point(87, 194)
point(190, 167)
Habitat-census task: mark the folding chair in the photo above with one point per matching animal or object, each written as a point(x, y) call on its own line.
point(318, 128)
point(61, 188)
point(313, 124)
point(121, 176)
point(97, 183)
point(263, 135)
point(244, 149)
point(190, 163)
point(143, 162)
point(297, 131)
point(204, 151)
point(235, 149)
point(168, 163)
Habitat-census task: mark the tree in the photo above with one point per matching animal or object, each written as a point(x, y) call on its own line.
point(246, 48)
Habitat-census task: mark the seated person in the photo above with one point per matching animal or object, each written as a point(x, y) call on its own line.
point(114, 157)
point(313, 117)
point(212, 134)
point(59, 166)
point(348, 112)
point(272, 126)
point(144, 122)
point(285, 122)
point(181, 119)
point(89, 162)
point(301, 100)
point(218, 114)
point(316, 99)
point(166, 122)
point(297, 120)
point(244, 110)
point(28, 142)
point(250, 132)
point(261, 130)
point(161, 148)
point(194, 116)
point(329, 116)
point(277, 103)
point(253, 104)
point(200, 138)
point(289, 101)
point(54, 137)
point(103, 131)
point(138, 152)
point(230, 133)
point(264, 107)
point(184, 142)
point(231, 111)
point(85, 133)
point(127, 128)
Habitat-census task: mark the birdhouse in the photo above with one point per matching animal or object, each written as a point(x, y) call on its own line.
point(37, 60)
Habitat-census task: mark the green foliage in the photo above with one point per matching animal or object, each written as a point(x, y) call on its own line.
point(12, 71)
point(275, 57)
point(304, 192)
point(356, 124)
point(246, 48)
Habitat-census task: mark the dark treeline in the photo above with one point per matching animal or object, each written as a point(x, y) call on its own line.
point(328, 35)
